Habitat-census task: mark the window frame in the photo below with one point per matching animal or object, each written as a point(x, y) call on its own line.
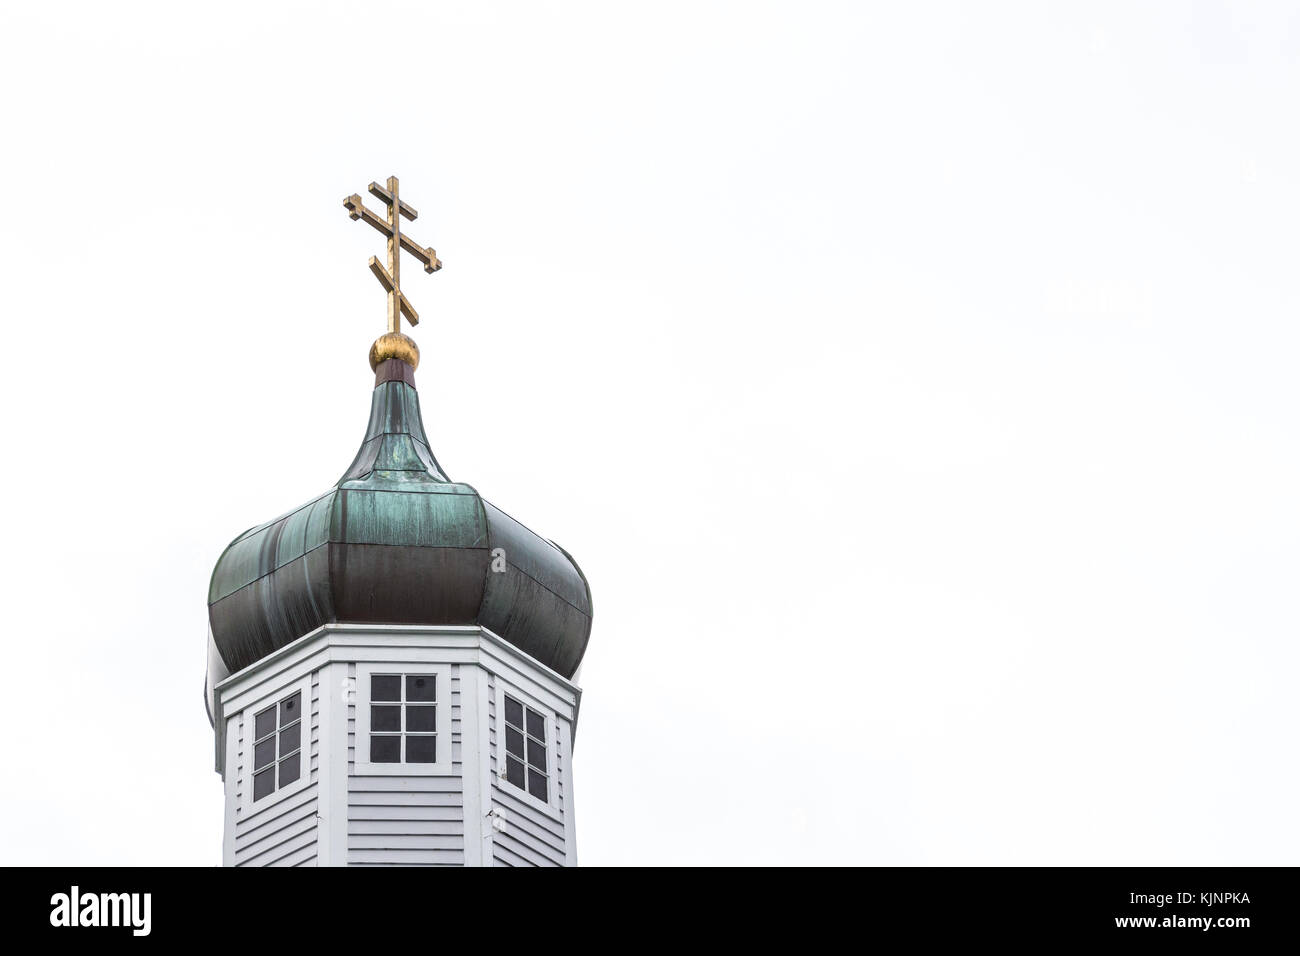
point(362, 765)
point(248, 729)
point(551, 805)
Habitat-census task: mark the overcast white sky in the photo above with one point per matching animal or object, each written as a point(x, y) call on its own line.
point(915, 385)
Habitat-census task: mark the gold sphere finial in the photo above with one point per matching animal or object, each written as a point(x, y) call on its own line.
point(394, 345)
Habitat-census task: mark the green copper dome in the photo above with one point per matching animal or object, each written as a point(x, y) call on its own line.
point(395, 541)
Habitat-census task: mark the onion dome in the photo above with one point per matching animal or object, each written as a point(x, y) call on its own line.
point(395, 541)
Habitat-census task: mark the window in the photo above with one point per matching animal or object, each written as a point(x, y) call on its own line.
point(526, 749)
point(277, 746)
point(403, 718)
point(275, 741)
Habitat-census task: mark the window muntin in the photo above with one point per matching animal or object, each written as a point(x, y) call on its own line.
point(404, 718)
point(526, 749)
point(277, 745)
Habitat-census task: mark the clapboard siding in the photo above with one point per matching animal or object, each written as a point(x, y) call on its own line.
point(405, 841)
point(525, 820)
point(238, 722)
point(293, 851)
point(277, 818)
point(532, 837)
point(388, 813)
point(437, 826)
point(352, 719)
point(522, 837)
point(462, 812)
point(393, 797)
point(503, 855)
point(534, 840)
point(406, 821)
point(511, 852)
point(406, 858)
point(279, 831)
point(315, 725)
point(492, 725)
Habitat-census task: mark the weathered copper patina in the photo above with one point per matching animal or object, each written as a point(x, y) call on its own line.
point(395, 541)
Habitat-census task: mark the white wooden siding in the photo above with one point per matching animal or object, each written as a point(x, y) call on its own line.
point(532, 836)
point(279, 831)
point(340, 817)
point(406, 820)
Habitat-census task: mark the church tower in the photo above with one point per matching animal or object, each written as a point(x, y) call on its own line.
point(391, 665)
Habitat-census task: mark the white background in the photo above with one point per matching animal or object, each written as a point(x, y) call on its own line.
point(914, 383)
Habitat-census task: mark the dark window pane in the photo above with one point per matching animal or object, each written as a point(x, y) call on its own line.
point(264, 723)
point(264, 754)
point(421, 749)
point(385, 749)
point(289, 769)
point(421, 717)
point(537, 784)
point(387, 717)
point(291, 709)
point(421, 687)
point(291, 739)
point(537, 754)
point(536, 725)
point(263, 783)
point(515, 742)
point(514, 712)
point(385, 687)
point(515, 772)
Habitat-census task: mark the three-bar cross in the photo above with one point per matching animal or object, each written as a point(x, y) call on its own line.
point(391, 278)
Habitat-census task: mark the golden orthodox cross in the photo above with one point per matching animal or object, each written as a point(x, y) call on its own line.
point(391, 278)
